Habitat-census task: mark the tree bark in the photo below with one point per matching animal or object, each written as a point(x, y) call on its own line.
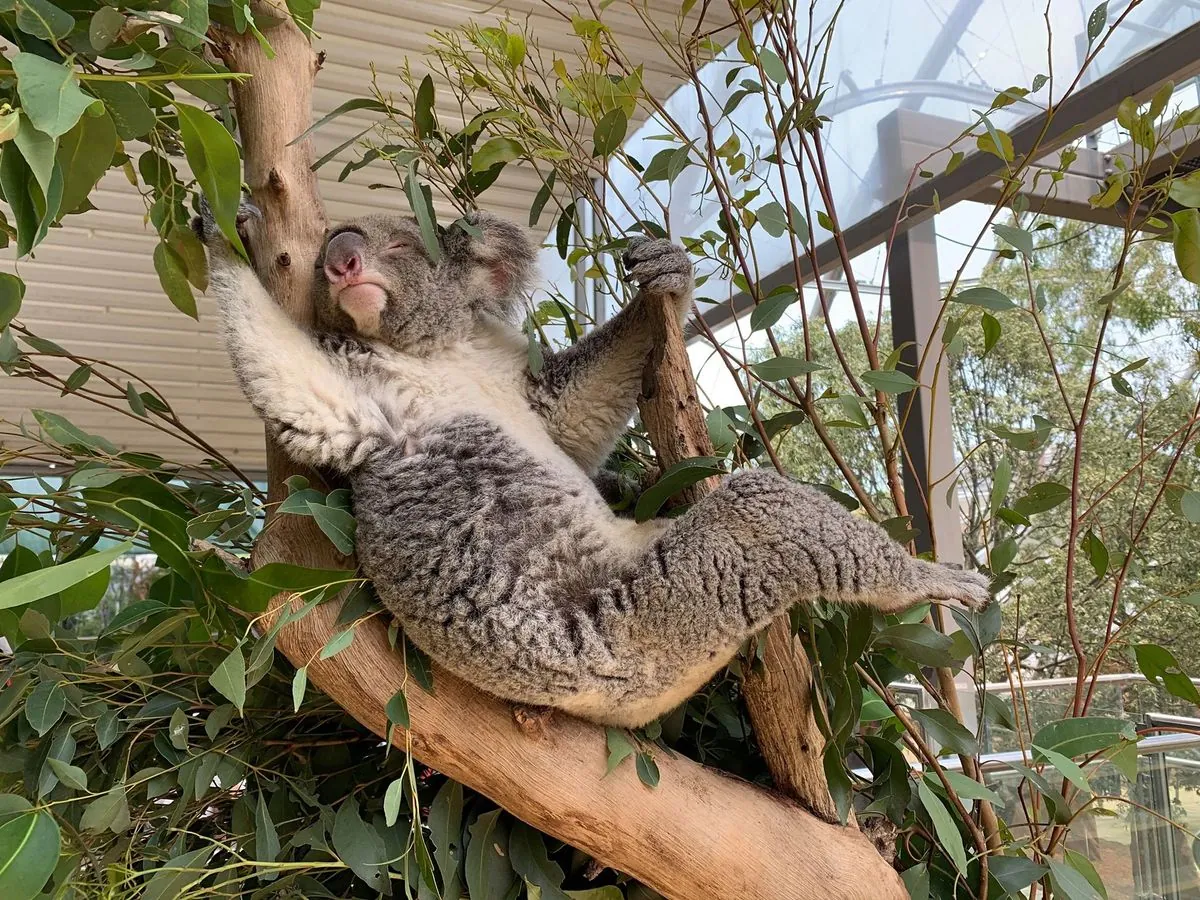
point(701, 834)
point(779, 691)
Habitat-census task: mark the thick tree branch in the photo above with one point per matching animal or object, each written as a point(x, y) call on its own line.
point(778, 693)
point(701, 835)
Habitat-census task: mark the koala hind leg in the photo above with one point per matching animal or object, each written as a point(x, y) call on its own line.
point(755, 546)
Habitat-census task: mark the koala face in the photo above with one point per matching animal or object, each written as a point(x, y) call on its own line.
point(375, 278)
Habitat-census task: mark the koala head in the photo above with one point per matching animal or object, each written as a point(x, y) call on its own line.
point(375, 278)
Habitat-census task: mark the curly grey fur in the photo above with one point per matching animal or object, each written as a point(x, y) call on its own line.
point(477, 517)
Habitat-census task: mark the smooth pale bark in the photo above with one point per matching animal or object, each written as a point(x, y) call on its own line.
point(701, 834)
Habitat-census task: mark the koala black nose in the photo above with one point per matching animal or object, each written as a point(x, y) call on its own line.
point(344, 256)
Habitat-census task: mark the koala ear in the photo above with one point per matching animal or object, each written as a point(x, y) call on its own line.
point(499, 259)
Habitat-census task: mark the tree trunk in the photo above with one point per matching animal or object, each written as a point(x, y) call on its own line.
point(778, 693)
point(701, 834)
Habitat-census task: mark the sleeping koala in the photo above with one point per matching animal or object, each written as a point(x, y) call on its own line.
point(478, 520)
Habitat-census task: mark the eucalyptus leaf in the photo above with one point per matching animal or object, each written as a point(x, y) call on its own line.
point(949, 837)
point(50, 93)
point(360, 847)
point(216, 166)
point(44, 706)
point(489, 871)
point(682, 475)
point(445, 828)
point(29, 849)
point(1083, 735)
point(174, 877)
point(229, 678)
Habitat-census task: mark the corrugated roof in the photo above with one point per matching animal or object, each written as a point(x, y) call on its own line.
point(92, 286)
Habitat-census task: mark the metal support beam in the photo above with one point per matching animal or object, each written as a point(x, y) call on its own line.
point(928, 434)
point(916, 293)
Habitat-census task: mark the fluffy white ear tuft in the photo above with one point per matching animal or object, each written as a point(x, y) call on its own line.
point(500, 258)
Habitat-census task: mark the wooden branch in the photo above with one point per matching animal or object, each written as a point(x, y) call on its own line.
point(778, 693)
point(701, 834)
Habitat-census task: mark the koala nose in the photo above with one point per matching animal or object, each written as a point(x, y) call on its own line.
point(344, 256)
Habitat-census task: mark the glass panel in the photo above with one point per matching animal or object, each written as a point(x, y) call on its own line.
point(1132, 699)
point(1140, 837)
point(944, 57)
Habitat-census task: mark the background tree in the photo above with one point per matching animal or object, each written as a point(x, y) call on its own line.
point(994, 387)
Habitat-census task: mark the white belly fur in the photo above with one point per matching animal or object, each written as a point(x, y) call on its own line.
point(486, 374)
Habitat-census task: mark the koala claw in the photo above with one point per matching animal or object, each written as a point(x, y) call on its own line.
point(205, 224)
point(942, 582)
point(659, 266)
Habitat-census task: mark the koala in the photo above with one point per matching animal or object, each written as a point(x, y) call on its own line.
point(478, 519)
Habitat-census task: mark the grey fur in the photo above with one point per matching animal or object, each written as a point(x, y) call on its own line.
point(477, 517)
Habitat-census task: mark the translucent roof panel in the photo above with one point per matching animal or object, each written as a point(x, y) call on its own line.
point(943, 57)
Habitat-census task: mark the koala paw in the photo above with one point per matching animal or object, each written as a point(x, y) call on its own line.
point(660, 267)
point(205, 224)
point(943, 582)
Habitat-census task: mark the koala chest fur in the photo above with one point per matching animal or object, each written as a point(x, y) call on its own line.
point(485, 374)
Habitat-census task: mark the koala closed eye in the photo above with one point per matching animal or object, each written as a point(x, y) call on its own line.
point(405, 244)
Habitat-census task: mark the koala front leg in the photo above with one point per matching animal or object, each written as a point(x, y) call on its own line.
point(761, 543)
point(307, 396)
point(588, 392)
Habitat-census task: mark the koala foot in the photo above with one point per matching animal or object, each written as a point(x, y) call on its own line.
point(659, 267)
point(937, 581)
point(205, 224)
point(533, 720)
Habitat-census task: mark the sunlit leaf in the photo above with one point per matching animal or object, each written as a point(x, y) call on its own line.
point(496, 151)
point(35, 585)
point(620, 747)
point(216, 166)
point(173, 278)
point(1186, 242)
point(338, 642)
